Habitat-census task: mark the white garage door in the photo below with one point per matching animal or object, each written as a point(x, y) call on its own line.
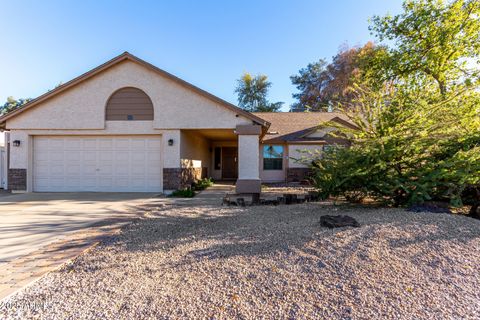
point(108, 164)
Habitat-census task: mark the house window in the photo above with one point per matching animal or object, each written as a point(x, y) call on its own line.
point(333, 147)
point(272, 157)
point(217, 157)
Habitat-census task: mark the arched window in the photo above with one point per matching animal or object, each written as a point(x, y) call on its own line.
point(129, 104)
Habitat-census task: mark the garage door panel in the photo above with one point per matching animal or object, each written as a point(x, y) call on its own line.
point(105, 144)
point(73, 144)
point(122, 182)
point(153, 156)
point(72, 182)
point(138, 170)
point(73, 155)
point(57, 169)
point(122, 144)
point(121, 170)
point(150, 170)
point(138, 182)
point(42, 156)
point(90, 144)
point(105, 169)
point(41, 143)
point(73, 170)
point(89, 182)
point(56, 155)
point(56, 182)
point(105, 182)
point(105, 155)
point(122, 156)
point(138, 145)
point(56, 144)
point(154, 183)
point(89, 155)
point(154, 145)
point(89, 169)
point(91, 163)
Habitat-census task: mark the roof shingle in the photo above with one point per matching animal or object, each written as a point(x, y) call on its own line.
point(292, 126)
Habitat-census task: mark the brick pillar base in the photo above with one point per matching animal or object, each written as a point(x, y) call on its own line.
point(181, 178)
point(248, 186)
point(17, 179)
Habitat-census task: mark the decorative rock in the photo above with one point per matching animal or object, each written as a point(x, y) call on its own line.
point(290, 198)
point(241, 202)
point(431, 206)
point(314, 196)
point(338, 221)
point(271, 202)
point(226, 201)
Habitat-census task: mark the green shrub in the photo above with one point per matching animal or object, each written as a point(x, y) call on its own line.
point(203, 184)
point(183, 193)
point(402, 155)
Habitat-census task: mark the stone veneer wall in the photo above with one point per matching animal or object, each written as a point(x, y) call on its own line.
point(179, 178)
point(298, 174)
point(17, 179)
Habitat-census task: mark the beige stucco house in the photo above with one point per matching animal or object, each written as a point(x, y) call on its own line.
point(128, 126)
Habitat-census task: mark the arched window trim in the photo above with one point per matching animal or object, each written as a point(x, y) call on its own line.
point(133, 104)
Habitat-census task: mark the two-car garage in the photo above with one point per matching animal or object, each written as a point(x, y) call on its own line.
point(97, 163)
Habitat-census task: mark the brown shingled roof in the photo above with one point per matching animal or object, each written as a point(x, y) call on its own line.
point(293, 126)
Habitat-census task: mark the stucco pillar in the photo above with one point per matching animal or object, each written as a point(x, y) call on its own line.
point(19, 169)
point(172, 171)
point(248, 155)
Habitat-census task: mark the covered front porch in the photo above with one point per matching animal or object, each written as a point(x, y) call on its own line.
point(223, 154)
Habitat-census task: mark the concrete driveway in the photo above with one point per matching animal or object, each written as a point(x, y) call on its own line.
point(31, 221)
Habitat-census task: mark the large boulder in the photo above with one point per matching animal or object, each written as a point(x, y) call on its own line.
point(430, 206)
point(338, 221)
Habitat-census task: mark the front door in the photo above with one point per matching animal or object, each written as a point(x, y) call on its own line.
point(229, 163)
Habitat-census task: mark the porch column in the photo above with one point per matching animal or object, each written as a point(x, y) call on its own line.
point(172, 170)
point(248, 155)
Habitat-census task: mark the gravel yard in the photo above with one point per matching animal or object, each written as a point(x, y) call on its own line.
point(269, 262)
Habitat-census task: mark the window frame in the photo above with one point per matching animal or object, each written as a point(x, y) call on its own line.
point(275, 164)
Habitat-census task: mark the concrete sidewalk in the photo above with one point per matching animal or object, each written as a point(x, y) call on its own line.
point(212, 196)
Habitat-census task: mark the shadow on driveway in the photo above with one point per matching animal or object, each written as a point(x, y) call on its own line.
point(32, 220)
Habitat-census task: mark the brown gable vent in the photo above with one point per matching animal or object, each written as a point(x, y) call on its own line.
point(129, 104)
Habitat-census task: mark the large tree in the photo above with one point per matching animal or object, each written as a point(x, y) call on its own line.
point(323, 85)
point(311, 82)
point(12, 104)
point(253, 92)
point(434, 41)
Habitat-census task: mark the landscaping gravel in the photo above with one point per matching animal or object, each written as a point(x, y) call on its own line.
point(268, 262)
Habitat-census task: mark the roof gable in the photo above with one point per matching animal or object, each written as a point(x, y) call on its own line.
point(115, 61)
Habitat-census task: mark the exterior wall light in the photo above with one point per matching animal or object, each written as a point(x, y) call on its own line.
point(16, 143)
point(170, 142)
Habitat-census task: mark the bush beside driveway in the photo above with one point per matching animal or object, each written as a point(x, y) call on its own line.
point(271, 262)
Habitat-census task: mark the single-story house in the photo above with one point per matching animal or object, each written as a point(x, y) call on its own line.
point(128, 126)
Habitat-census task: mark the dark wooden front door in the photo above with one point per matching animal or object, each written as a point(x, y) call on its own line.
point(229, 163)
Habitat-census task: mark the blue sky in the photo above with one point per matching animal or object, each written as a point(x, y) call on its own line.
point(208, 43)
